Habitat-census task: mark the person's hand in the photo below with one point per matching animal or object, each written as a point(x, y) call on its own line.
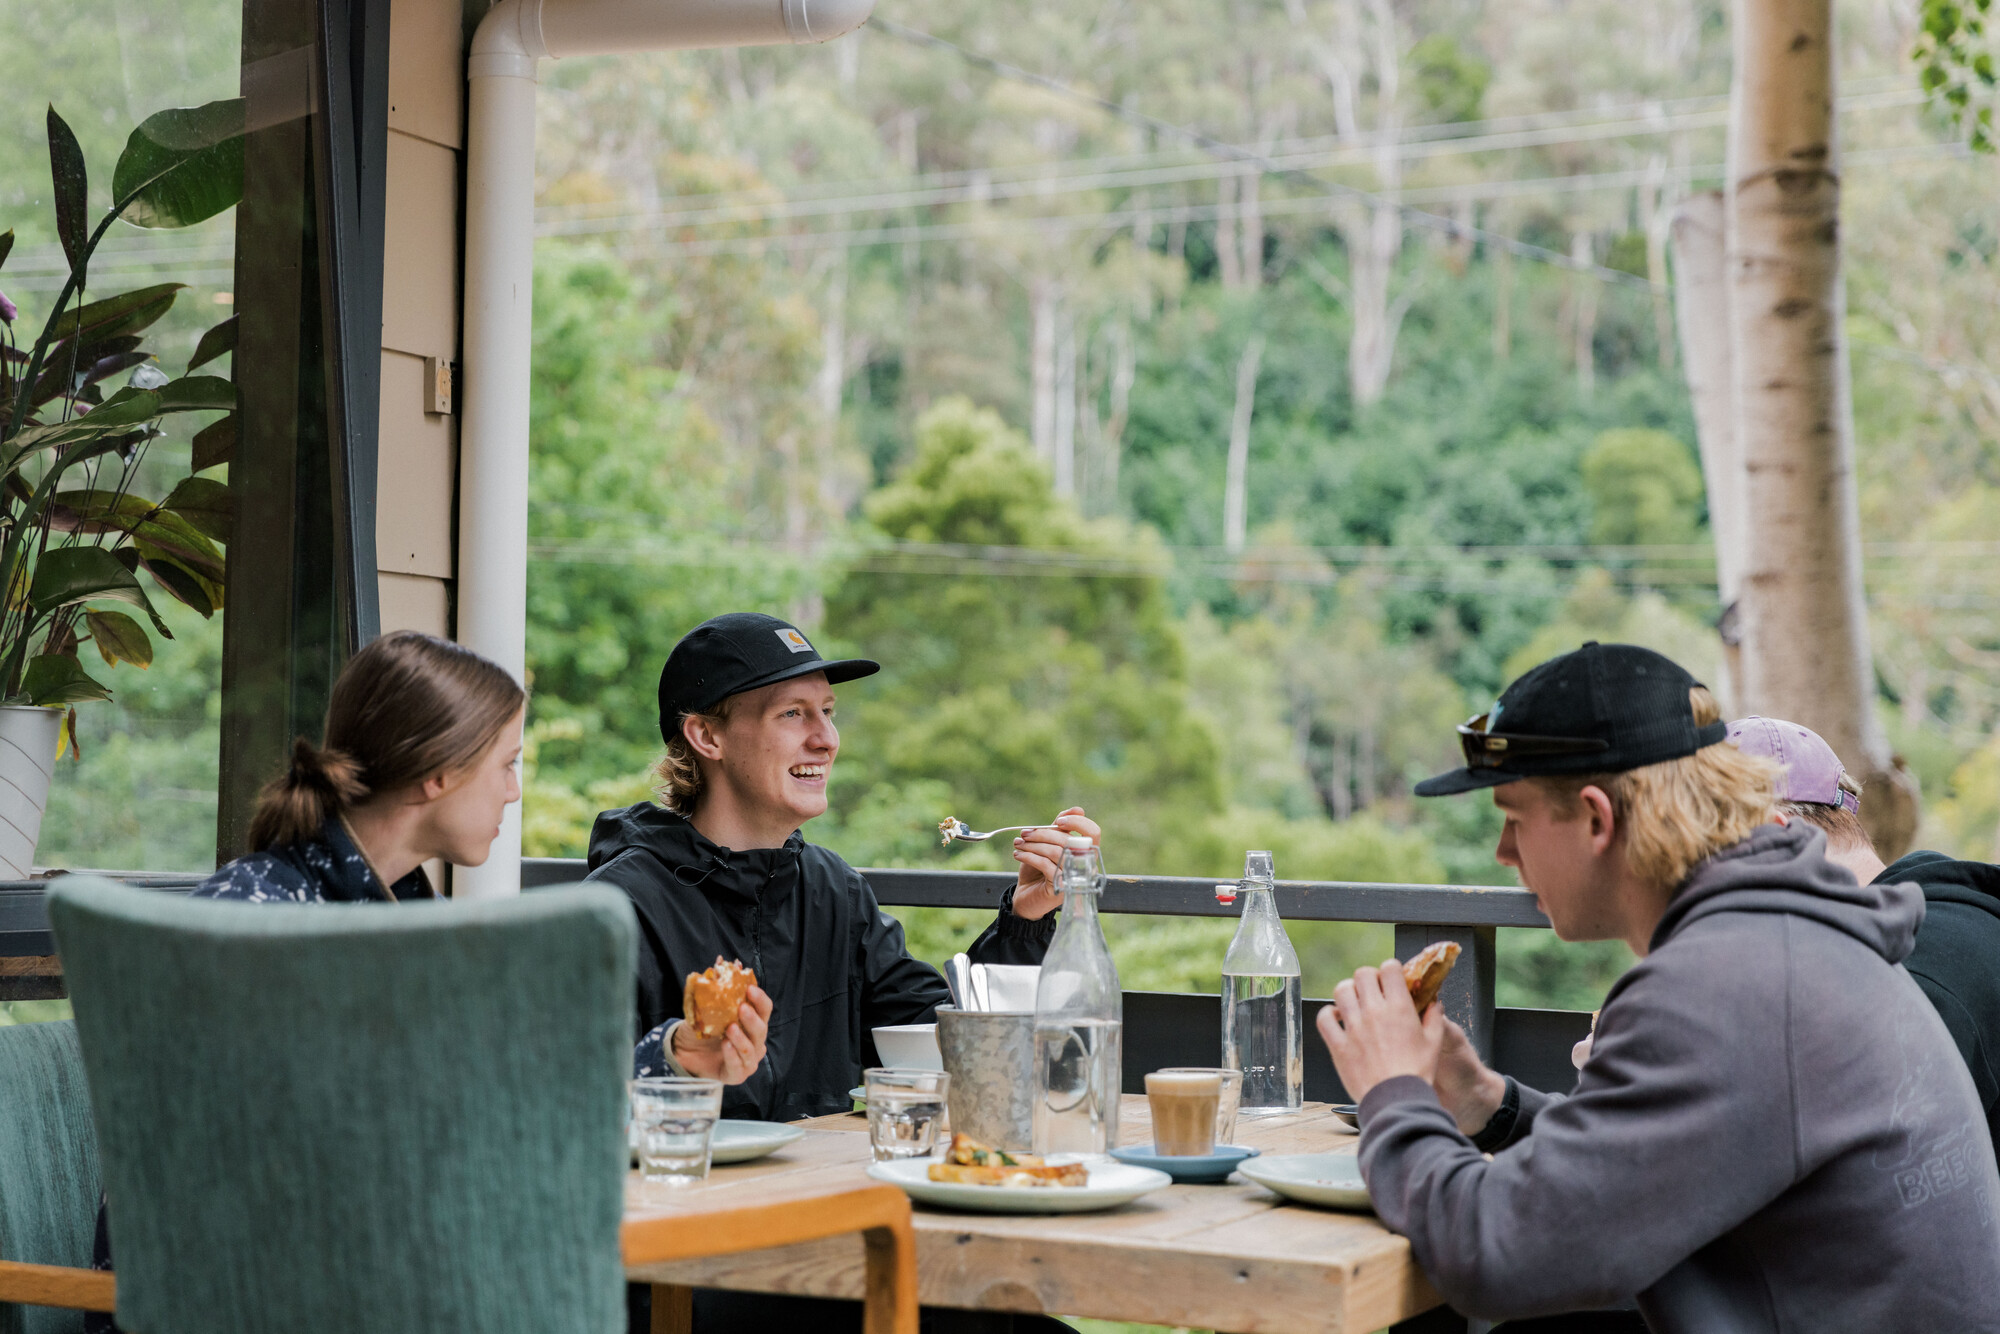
point(1467, 1088)
point(1373, 1031)
point(731, 1057)
point(1040, 853)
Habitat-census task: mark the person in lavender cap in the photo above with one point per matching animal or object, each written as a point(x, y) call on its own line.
point(1959, 942)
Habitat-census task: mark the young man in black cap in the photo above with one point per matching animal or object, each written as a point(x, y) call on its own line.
point(746, 710)
point(1773, 1130)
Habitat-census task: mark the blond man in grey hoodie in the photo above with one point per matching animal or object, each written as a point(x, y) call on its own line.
point(1773, 1131)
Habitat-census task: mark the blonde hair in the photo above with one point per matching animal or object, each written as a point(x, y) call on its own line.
point(677, 779)
point(1673, 814)
point(1843, 827)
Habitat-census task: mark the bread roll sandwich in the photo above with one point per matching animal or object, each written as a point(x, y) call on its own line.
point(1425, 974)
point(710, 999)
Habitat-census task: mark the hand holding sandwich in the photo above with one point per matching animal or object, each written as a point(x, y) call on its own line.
point(1374, 1032)
point(718, 1040)
point(1374, 1035)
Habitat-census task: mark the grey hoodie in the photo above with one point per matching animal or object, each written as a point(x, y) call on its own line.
point(1773, 1132)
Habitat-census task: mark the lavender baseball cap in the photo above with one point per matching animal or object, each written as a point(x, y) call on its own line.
point(1812, 771)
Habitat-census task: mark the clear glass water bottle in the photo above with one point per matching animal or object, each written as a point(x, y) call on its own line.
point(1263, 1022)
point(1079, 1019)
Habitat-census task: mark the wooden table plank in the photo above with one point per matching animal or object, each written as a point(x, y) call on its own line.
point(1231, 1257)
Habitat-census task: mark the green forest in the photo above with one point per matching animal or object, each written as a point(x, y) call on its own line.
point(1197, 408)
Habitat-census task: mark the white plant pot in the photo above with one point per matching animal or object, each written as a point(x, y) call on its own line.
point(27, 761)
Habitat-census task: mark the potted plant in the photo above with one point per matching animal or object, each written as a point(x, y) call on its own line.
point(74, 535)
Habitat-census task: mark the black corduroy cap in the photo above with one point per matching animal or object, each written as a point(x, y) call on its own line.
point(1605, 708)
point(743, 650)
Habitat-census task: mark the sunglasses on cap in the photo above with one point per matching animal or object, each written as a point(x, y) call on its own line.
point(1491, 750)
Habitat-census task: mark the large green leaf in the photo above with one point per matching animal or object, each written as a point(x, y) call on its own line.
point(197, 393)
point(205, 503)
point(58, 678)
point(68, 575)
point(97, 511)
point(123, 410)
point(186, 587)
point(167, 536)
point(217, 342)
point(119, 638)
point(214, 444)
point(126, 313)
point(99, 361)
point(72, 192)
point(182, 166)
point(117, 416)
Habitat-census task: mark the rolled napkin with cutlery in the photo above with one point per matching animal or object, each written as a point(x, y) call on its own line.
point(1005, 986)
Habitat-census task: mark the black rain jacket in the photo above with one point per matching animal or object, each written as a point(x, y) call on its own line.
point(1957, 960)
point(833, 963)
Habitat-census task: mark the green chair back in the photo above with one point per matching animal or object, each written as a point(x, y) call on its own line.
point(369, 1117)
point(48, 1164)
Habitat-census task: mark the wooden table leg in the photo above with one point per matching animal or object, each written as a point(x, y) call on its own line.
point(673, 1309)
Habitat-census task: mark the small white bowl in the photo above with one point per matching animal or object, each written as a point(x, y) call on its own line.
point(909, 1046)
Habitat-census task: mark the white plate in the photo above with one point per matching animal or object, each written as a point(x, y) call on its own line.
point(859, 1093)
point(741, 1141)
point(1329, 1179)
point(1111, 1184)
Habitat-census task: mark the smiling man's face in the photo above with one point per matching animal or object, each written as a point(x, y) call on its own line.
point(778, 748)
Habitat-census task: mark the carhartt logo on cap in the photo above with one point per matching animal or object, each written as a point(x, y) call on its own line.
point(793, 640)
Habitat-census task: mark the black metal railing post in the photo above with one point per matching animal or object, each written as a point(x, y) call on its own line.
point(1467, 995)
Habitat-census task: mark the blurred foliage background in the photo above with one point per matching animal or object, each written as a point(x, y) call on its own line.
point(1205, 493)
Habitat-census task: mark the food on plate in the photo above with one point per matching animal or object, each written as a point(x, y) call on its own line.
point(710, 1000)
point(1426, 973)
point(970, 1163)
point(949, 827)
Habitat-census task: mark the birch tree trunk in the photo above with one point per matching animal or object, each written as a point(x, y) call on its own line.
point(1042, 299)
point(1124, 373)
point(1250, 229)
point(1585, 329)
point(1228, 259)
point(1659, 218)
point(1701, 308)
point(1805, 628)
point(1236, 483)
point(1371, 234)
point(1065, 405)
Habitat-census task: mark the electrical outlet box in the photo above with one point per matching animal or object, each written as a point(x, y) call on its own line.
point(437, 385)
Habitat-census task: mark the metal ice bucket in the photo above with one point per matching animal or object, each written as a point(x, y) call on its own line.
point(990, 1055)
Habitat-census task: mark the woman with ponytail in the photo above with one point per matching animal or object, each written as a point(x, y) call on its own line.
point(417, 762)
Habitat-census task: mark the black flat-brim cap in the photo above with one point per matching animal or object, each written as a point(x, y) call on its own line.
point(1632, 699)
point(743, 650)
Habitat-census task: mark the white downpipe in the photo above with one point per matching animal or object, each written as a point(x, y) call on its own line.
point(500, 284)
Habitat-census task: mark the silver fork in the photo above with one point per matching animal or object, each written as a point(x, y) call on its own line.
point(956, 830)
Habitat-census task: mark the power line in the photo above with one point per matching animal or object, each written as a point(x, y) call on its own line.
point(1159, 214)
point(1132, 171)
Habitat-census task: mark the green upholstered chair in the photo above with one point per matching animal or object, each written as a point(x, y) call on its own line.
point(48, 1179)
point(371, 1117)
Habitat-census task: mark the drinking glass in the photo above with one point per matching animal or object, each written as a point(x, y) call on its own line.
point(1226, 1105)
point(673, 1122)
point(905, 1112)
point(1186, 1105)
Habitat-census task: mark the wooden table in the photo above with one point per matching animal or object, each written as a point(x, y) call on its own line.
point(1232, 1257)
